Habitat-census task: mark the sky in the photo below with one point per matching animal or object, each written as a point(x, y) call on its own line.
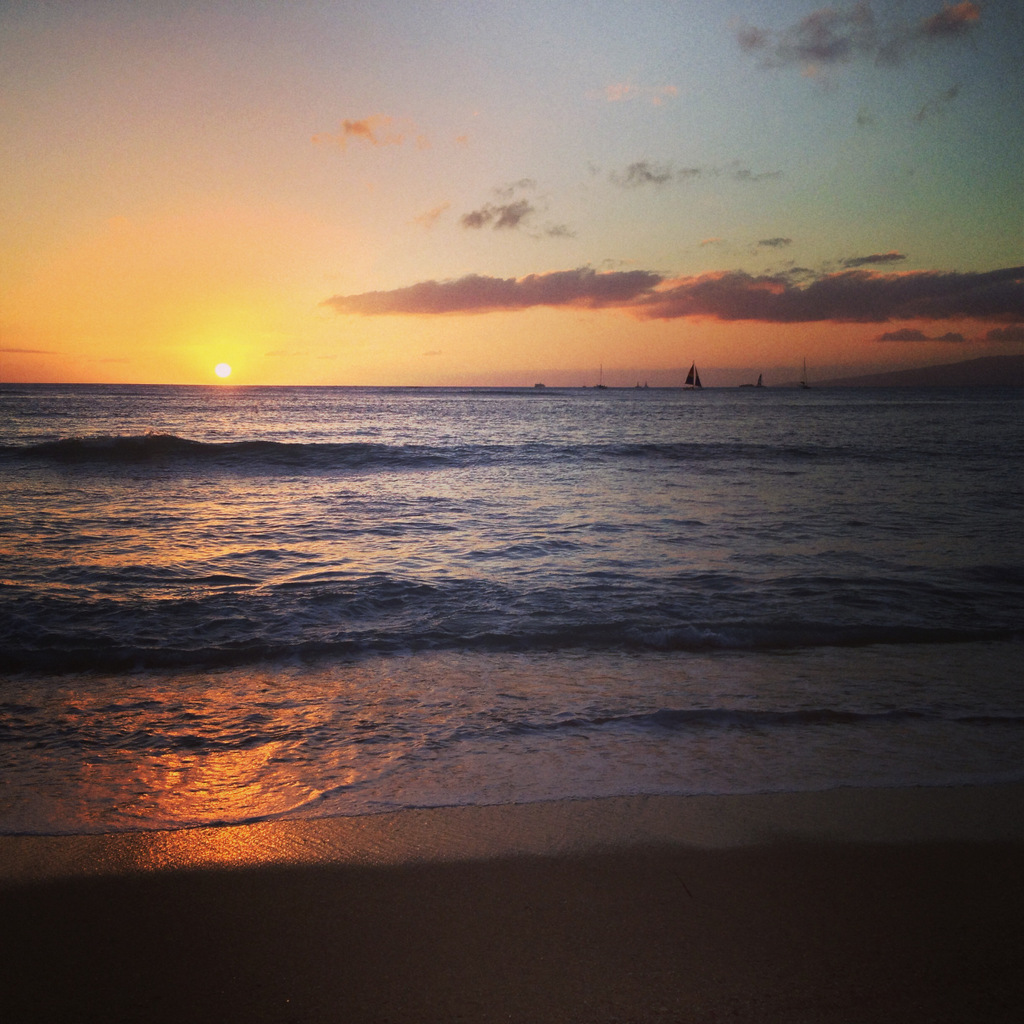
point(445, 192)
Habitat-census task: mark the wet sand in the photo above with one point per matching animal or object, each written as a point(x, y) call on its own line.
point(857, 905)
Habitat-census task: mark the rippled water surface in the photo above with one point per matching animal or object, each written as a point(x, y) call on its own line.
point(232, 603)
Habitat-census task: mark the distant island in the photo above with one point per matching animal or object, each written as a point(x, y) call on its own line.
point(987, 371)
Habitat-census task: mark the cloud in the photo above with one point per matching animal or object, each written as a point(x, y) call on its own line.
point(644, 172)
point(1014, 332)
point(833, 36)
point(746, 174)
point(509, 191)
point(511, 215)
point(375, 130)
point(878, 257)
point(429, 219)
point(850, 296)
point(775, 243)
point(504, 215)
point(825, 36)
point(507, 215)
point(936, 105)
point(952, 20)
point(907, 334)
point(583, 287)
point(622, 92)
point(29, 351)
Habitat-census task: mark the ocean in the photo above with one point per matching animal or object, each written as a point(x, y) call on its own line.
point(231, 604)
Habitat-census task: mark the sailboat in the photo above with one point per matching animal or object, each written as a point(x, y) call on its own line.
point(600, 385)
point(759, 384)
point(693, 378)
point(803, 377)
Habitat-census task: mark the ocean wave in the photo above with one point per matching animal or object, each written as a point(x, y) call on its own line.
point(717, 718)
point(265, 457)
point(160, 729)
point(255, 457)
point(385, 616)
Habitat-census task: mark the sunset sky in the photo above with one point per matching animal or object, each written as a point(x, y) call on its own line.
point(447, 192)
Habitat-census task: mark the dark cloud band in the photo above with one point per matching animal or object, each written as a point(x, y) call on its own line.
point(476, 294)
point(858, 296)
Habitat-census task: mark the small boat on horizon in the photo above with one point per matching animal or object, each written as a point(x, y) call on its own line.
point(693, 377)
point(759, 384)
point(803, 378)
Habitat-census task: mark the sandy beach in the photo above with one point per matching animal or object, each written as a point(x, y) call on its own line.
point(854, 905)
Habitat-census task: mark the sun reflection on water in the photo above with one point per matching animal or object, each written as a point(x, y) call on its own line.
point(218, 786)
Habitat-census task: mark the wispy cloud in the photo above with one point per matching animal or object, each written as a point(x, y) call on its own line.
point(645, 172)
point(936, 105)
point(875, 258)
point(429, 219)
point(509, 191)
point(624, 92)
point(29, 351)
point(952, 20)
point(832, 36)
point(513, 213)
point(858, 296)
point(499, 215)
point(506, 215)
point(909, 334)
point(775, 243)
point(375, 130)
point(746, 174)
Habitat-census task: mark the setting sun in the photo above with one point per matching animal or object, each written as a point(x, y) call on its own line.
point(222, 370)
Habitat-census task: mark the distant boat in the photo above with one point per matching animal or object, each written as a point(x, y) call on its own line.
point(600, 385)
point(539, 385)
point(759, 384)
point(803, 377)
point(693, 378)
point(641, 387)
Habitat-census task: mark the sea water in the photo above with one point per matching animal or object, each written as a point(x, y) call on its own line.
point(226, 604)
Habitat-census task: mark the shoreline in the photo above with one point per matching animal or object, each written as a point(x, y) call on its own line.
point(892, 816)
point(847, 906)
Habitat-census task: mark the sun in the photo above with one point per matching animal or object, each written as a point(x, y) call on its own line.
point(222, 370)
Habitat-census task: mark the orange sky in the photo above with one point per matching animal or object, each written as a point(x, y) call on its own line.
point(495, 194)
